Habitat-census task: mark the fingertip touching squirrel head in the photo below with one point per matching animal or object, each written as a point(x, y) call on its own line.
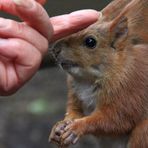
point(92, 51)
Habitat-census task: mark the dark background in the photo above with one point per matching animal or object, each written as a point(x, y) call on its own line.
point(27, 117)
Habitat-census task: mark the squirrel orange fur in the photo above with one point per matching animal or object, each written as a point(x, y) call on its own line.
point(107, 66)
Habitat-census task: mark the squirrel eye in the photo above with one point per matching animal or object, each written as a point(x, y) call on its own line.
point(90, 42)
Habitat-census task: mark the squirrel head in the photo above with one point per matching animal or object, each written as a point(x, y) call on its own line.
point(105, 48)
point(90, 52)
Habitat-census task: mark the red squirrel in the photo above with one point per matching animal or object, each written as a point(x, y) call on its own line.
point(107, 66)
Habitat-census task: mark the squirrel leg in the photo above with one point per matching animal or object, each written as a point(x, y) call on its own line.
point(139, 137)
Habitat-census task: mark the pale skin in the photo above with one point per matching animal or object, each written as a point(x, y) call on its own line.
point(23, 44)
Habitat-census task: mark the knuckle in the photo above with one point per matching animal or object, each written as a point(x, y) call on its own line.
point(11, 25)
point(41, 17)
point(20, 27)
point(40, 11)
point(16, 44)
point(44, 45)
point(37, 12)
point(38, 59)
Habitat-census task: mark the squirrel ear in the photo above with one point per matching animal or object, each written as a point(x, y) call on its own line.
point(118, 30)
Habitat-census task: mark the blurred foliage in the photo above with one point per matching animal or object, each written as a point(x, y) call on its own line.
point(42, 106)
point(38, 106)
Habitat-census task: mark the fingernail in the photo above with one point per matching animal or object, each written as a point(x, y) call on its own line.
point(100, 15)
point(24, 3)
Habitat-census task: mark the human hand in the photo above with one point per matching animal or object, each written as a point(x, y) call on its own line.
point(22, 45)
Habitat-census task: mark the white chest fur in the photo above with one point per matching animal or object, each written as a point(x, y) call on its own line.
point(87, 94)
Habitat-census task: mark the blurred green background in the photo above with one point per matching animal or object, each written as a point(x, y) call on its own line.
point(27, 117)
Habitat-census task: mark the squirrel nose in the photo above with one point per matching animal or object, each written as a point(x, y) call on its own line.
point(56, 51)
point(57, 48)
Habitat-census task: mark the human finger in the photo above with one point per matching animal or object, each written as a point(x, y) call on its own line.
point(13, 29)
point(20, 61)
point(70, 23)
point(31, 12)
point(9, 7)
point(35, 15)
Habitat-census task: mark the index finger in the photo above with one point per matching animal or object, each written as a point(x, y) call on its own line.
point(70, 23)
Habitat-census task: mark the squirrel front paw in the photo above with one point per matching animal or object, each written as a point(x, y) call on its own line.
point(72, 133)
point(58, 130)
